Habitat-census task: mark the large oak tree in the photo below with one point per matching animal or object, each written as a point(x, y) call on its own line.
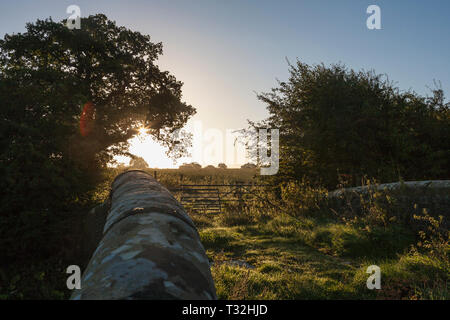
point(69, 101)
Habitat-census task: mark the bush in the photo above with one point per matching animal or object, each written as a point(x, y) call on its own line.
point(337, 122)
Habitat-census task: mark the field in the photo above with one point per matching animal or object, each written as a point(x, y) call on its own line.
point(303, 247)
point(290, 242)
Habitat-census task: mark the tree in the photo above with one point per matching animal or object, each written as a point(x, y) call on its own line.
point(334, 121)
point(69, 101)
point(192, 165)
point(248, 166)
point(52, 72)
point(222, 166)
point(138, 163)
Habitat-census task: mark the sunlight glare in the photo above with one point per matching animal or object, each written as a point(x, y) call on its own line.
point(145, 146)
point(142, 131)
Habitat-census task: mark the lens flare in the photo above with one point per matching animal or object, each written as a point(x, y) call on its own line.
point(87, 119)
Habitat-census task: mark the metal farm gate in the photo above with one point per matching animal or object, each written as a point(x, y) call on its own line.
point(211, 198)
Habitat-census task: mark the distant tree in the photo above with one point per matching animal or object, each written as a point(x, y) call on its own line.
point(138, 163)
point(209, 167)
point(195, 165)
point(192, 165)
point(222, 166)
point(248, 166)
point(334, 121)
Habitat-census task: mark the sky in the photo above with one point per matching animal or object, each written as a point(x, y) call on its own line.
point(226, 52)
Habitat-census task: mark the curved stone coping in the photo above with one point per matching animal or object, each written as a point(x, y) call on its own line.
point(150, 247)
point(137, 192)
point(431, 184)
point(154, 256)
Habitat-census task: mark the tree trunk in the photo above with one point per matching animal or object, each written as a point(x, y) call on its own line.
point(150, 247)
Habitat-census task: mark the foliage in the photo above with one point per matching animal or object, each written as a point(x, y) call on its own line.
point(248, 166)
point(434, 237)
point(192, 165)
point(307, 247)
point(337, 122)
point(69, 101)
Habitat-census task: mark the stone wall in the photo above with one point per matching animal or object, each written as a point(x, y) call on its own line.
point(410, 197)
point(150, 247)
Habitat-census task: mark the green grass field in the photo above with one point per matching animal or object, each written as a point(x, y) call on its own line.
point(290, 244)
point(278, 257)
point(301, 247)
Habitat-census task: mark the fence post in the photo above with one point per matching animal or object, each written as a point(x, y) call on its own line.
point(150, 247)
point(241, 203)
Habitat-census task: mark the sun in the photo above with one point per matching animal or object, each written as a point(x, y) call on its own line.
point(145, 146)
point(142, 131)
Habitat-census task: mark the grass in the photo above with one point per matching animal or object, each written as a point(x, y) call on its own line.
point(303, 246)
point(320, 251)
point(283, 260)
point(280, 266)
point(298, 245)
point(172, 178)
